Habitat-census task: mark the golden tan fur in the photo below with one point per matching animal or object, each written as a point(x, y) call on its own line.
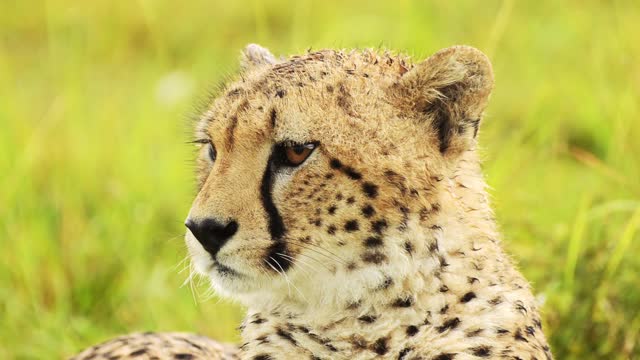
point(387, 246)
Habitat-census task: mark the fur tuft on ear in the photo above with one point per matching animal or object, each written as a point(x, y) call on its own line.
point(255, 55)
point(452, 88)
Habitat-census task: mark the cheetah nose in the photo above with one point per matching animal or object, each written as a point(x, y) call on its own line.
point(212, 234)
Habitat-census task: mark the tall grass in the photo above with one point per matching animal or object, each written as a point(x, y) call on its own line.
point(95, 175)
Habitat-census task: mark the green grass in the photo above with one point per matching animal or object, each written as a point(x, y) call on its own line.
point(95, 175)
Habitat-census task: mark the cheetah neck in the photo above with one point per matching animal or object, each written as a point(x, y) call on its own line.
point(457, 283)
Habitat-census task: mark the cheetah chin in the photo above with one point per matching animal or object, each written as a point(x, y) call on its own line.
point(341, 200)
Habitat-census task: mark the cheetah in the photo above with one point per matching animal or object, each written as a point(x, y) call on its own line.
point(341, 200)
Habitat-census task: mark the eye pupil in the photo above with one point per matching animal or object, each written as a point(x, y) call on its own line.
point(298, 149)
point(295, 154)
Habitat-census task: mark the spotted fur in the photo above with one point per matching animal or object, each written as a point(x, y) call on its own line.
point(382, 244)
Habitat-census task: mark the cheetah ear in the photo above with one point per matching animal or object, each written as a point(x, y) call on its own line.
point(255, 55)
point(451, 88)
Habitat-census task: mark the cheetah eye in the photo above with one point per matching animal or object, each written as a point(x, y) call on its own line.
point(212, 152)
point(294, 154)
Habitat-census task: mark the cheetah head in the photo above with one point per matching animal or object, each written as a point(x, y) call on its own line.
point(323, 177)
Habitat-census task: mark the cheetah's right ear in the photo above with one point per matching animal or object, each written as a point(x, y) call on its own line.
point(451, 88)
point(255, 55)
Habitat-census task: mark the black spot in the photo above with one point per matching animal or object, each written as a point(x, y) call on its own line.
point(368, 319)
point(495, 301)
point(138, 352)
point(408, 247)
point(530, 330)
point(412, 330)
point(262, 357)
point(287, 336)
point(468, 297)
point(280, 93)
point(443, 261)
point(368, 211)
point(335, 164)
point(259, 320)
point(351, 226)
point(404, 353)
point(444, 309)
point(371, 190)
point(481, 351)
point(184, 356)
point(473, 333)
point(472, 280)
point(332, 209)
point(373, 241)
point(444, 288)
point(378, 226)
point(317, 222)
point(537, 323)
point(330, 88)
point(351, 173)
point(351, 200)
point(374, 257)
point(448, 325)
point(331, 230)
point(501, 331)
point(273, 115)
point(518, 336)
point(388, 281)
point(380, 346)
point(329, 176)
point(444, 357)
point(433, 247)
point(403, 303)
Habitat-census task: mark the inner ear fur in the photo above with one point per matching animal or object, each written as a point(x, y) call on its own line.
point(450, 90)
point(255, 55)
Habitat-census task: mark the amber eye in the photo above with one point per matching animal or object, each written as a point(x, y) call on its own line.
point(295, 154)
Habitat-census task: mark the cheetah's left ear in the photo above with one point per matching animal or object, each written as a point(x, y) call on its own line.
point(255, 55)
point(451, 88)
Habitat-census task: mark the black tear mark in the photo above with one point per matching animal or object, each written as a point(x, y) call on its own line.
point(276, 225)
point(277, 229)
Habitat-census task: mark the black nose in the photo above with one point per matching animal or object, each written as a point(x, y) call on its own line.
point(212, 234)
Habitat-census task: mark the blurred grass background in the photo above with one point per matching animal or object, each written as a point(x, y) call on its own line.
point(95, 175)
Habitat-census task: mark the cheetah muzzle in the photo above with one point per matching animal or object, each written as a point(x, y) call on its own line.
point(341, 200)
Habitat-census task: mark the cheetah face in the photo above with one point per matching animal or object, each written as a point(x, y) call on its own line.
point(317, 173)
